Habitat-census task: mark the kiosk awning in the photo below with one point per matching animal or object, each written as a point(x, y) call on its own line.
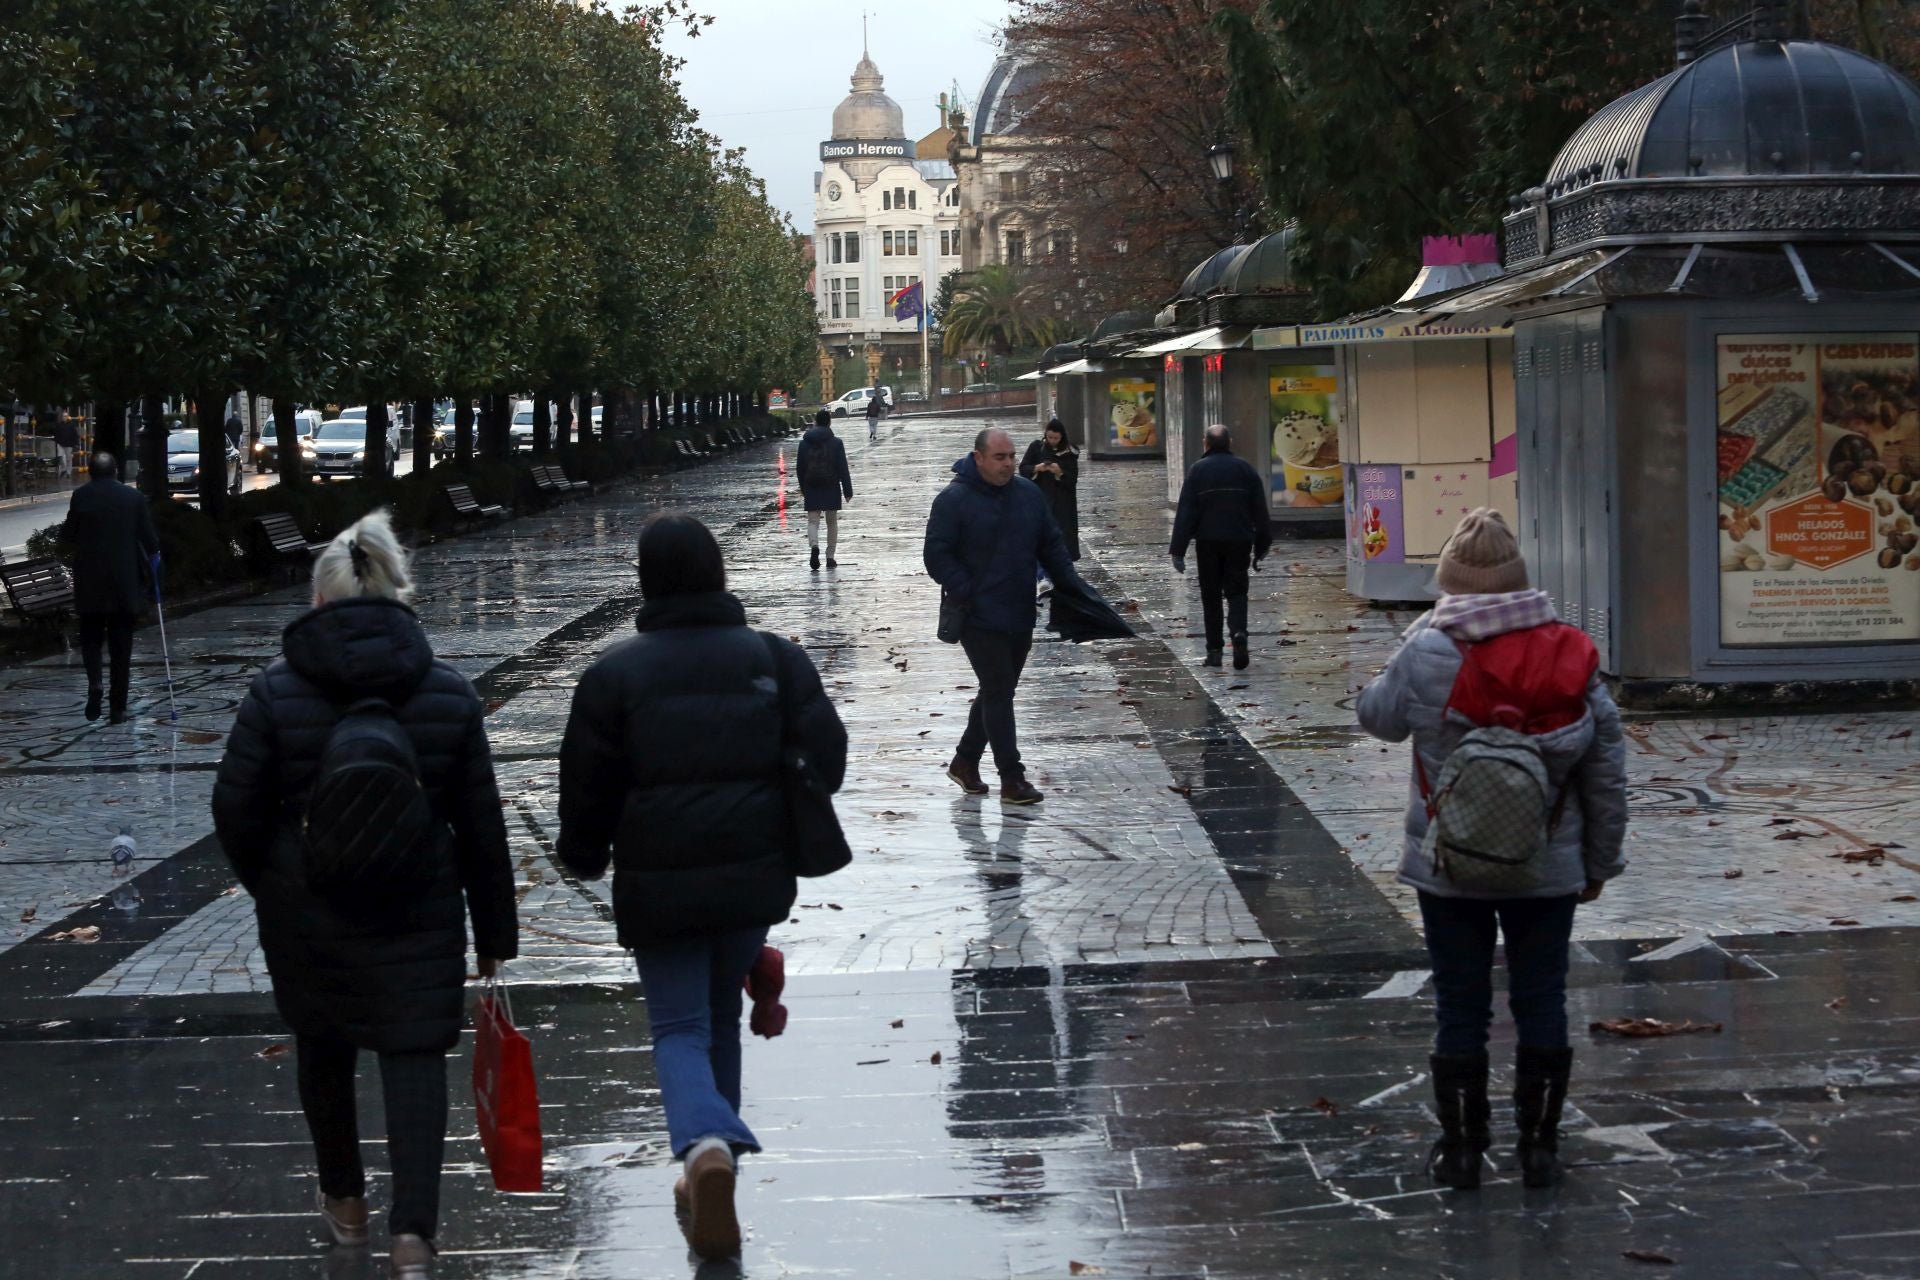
point(1216, 338)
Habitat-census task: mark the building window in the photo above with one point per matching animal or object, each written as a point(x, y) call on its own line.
point(853, 298)
point(833, 247)
point(886, 244)
point(886, 200)
point(833, 298)
point(913, 243)
point(1060, 246)
point(949, 244)
point(913, 199)
point(899, 197)
point(1013, 185)
point(852, 239)
point(1016, 253)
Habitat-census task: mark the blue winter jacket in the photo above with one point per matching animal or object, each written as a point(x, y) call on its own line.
point(982, 544)
point(823, 451)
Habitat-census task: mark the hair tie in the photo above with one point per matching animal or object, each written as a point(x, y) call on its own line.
point(360, 557)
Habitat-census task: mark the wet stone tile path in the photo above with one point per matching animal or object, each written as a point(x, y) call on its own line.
point(1170, 1023)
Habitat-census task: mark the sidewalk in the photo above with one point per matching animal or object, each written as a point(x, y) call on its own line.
point(1171, 1022)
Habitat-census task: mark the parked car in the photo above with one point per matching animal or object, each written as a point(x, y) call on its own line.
point(980, 386)
point(183, 460)
point(521, 428)
point(266, 450)
point(339, 445)
point(855, 401)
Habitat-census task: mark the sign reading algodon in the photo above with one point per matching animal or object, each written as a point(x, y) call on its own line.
point(867, 149)
point(1818, 455)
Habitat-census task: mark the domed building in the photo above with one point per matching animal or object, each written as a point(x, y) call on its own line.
point(1003, 210)
point(886, 217)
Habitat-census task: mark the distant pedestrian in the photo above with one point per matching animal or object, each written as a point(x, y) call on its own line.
point(236, 437)
point(672, 771)
point(876, 411)
point(1223, 511)
point(114, 547)
point(985, 532)
point(1053, 464)
point(66, 438)
point(825, 483)
point(1518, 813)
point(378, 961)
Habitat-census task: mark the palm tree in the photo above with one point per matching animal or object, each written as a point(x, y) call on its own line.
point(997, 309)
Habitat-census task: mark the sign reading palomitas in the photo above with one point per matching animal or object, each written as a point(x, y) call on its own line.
point(1320, 335)
point(867, 149)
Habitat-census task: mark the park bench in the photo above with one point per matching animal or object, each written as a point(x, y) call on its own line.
point(39, 589)
point(552, 482)
point(559, 473)
point(686, 449)
point(466, 507)
point(277, 537)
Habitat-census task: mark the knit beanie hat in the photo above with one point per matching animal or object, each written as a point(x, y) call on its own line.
point(1482, 557)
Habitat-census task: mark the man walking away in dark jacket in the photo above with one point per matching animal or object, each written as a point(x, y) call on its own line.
point(113, 544)
point(984, 534)
point(1223, 509)
point(820, 464)
point(876, 410)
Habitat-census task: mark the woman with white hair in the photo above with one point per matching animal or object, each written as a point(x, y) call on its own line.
point(357, 803)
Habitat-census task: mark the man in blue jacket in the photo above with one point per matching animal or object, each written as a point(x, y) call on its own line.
point(1223, 510)
point(985, 533)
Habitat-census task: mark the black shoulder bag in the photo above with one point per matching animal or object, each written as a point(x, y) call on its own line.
point(953, 613)
point(818, 847)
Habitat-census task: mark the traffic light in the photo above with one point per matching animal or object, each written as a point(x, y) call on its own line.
point(983, 364)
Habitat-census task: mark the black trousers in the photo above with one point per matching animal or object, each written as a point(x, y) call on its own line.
point(415, 1089)
point(997, 658)
point(1223, 572)
point(116, 631)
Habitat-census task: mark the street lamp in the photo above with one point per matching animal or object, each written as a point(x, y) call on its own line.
point(1220, 160)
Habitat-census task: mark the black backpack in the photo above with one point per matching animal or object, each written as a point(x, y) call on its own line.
point(821, 469)
point(368, 829)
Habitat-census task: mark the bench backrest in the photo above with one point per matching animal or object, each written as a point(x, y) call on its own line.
point(461, 496)
point(35, 585)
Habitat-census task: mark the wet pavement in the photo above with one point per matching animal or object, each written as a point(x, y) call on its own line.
point(1170, 1023)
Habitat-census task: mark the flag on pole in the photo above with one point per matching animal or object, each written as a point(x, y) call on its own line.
point(907, 304)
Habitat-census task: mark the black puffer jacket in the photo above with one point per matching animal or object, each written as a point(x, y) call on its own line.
point(390, 980)
point(671, 770)
point(1222, 500)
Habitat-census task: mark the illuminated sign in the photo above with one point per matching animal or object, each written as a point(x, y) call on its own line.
point(867, 149)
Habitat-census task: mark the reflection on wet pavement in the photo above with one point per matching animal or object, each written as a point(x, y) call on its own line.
point(1172, 1023)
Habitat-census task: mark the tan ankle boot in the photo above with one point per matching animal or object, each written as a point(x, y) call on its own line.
point(713, 1230)
point(346, 1218)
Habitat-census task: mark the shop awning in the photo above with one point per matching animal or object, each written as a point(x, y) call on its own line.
point(1035, 376)
point(1078, 366)
point(1383, 327)
point(1215, 338)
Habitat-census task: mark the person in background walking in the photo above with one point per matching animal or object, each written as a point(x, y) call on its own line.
point(1052, 463)
point(236, 439)
point(1223, 511)
point(825, 482)
point(66, 438)
point(986, 530)
point(1493, 651)
point(876, 410)
point(384, 972)
point(114, 547)
point(672, 770)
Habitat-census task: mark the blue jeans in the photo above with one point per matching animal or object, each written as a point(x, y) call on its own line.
point(693, 990)
point(1460, 938)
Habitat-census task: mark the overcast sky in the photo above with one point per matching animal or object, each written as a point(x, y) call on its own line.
point(768, 73)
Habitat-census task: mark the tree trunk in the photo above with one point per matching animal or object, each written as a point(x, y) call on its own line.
point(286, 444)
point(563, 427)
point(150, 447)
point(543, 421)
point(463, 431)
point(374, 465)
point(210, 412)
point(583, 424)
point(423, 434)
point(489, 442)
point(110, 431)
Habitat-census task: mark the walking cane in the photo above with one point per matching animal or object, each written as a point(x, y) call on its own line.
point(173, 711)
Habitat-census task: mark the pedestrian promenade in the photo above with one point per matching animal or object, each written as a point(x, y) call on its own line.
point(1170, 1022)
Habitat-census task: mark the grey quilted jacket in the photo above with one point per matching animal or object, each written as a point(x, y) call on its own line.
point(1410, 697)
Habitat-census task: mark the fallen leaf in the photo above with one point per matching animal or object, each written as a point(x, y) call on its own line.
point(1779, 822)
point(1326, 1106)
point(274, 1050)
point(1181, 791)
point(935, 1059)
point(26, 917)
point(1085, 1269)
point(1794, 835)
point(1644, 1027)
point(1863, 855)
point(85, 933)
point(1838, 1002)
point(1733, 873)
point(1647, 1255)
point(872, 1062)
point(1843, 922)
point(834, 906)
point(898, 1023)
point(1903, 897)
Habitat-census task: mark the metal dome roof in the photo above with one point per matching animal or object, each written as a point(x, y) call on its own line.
point(867, 112)
point(1122, 322)
point(1013, 77)
point(1266, 266)
point(1206, 278)
point(1755, 108)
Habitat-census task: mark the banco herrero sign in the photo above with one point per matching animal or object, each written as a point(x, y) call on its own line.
point(867, 149)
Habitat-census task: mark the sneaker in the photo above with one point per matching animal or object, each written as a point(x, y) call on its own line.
point(1240, 656)
point(346, 1218)
point(1213, 658)
point(968, 776)
point(713, 1229)
point(1020, 791)
point(816, 559)
point(832, 563)
point(410, 1257)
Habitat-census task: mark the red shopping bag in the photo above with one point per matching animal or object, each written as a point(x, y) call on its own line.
point(504, 1094)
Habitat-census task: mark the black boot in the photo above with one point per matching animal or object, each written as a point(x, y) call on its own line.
point(1460, 1097)
point(1213, 658)
point(93, 702)
point(1240, 655)
point(1539, 1092)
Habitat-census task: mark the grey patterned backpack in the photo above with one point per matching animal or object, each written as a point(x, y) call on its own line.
point(1491, 814)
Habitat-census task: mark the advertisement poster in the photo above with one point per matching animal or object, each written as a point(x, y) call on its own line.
point(1375, 527)
point(1131, 424)
point(1303, 401)
point(1819, 478)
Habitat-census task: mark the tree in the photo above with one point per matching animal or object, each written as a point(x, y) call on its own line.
point(998, 309)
